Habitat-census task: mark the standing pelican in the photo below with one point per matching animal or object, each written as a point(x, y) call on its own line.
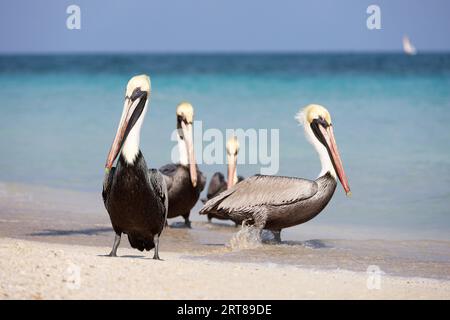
point(184, 181)
point(218, 183)
point(274, 202)
point(136, 198)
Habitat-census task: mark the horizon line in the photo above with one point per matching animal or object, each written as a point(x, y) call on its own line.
point(216, 52)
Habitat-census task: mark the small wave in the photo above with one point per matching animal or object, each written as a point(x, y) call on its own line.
point(248, 237)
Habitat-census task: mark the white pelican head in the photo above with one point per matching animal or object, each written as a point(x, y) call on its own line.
point(134, 109)
point(232, 152)
point(185, 120)
point(319, 130)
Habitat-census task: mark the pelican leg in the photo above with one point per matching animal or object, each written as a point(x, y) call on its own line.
point(277, 236)
point(260, 219)
point(209, 218)
point(113, 252)
point(187, 222)
point(156, 241)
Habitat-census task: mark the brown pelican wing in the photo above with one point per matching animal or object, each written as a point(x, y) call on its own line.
point(258, 191)
point(216, 185)
point(158, 183)
point(201, 180)
point(107, 182)
point(168, 171)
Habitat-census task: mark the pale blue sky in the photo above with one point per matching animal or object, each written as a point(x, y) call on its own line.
point(222, 25)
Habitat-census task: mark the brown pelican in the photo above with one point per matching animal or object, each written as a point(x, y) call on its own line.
point(184, 181)
point(218, 183)
point(135, 197)
point(275, 202)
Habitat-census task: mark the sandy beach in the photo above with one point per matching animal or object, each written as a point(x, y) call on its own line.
point(53, 242)
point(32, 270)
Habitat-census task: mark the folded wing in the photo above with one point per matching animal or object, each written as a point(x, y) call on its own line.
point(260, 190)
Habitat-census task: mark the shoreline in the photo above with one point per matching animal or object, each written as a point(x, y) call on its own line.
point(67, 217)
point(38, 270)
point(30, 200)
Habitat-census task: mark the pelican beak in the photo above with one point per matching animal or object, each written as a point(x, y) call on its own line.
point(335, 157)
point(132, 110)
point(232, 159)
point(188, 136)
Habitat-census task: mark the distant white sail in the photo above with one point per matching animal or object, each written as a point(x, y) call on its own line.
point(408, 47)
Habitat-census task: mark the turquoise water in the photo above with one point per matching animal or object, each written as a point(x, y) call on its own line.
point(391, 115)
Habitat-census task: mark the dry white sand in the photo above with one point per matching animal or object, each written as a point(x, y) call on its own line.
point(35, 270)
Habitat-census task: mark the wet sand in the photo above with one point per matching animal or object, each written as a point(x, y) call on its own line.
point(44, 231)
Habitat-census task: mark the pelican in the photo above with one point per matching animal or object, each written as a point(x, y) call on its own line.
point(184, 181)
point(275, 202)
point(218, 183)
point(135, 197)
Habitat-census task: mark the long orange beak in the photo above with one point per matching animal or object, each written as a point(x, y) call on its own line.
point(335, 157)
point(129, 117)
point(188, 136)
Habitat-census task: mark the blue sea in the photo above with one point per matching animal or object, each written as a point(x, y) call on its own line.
point(391, 116)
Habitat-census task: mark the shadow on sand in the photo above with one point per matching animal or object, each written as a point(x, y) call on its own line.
point(130, 256)
point(84, 232)
point(313, 244)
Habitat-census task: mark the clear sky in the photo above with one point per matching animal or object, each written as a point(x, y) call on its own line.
point(222, 25)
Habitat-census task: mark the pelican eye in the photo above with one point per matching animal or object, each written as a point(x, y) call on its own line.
point(323, 122)
point(182, 118)
point(137, 93)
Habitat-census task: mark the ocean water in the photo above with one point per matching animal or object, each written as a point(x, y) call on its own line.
point(391, 115)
